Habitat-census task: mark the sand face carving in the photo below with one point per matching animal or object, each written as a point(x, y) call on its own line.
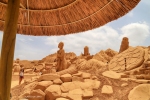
point(61, 60)
point(124, 44)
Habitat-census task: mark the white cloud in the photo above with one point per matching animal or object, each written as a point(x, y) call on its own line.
point(136, 32)
point(22, 40)
point(21, 56)
point(30, 39)
point(101, 38)
point(98, 39)
point(52, 41)
point(27, 51)
point(146, 2)
point(130, 14)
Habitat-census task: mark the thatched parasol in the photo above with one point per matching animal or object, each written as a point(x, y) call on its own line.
point(51, 17)
point(61, 17)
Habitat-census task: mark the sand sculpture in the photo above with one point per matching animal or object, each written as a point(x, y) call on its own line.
point(52, 57)
point(124, 44)
point(55, 86)
point(16, 65)
point(144, 71)
point(70, 55)
point(92, 64)
point(61, 84)
point(86, 51)
point(61, 60)
point(48, 68)
point(105, 56)
point(140, 92)
point(133, 56)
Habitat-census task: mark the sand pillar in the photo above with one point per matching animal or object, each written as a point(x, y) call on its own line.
point(86, 51)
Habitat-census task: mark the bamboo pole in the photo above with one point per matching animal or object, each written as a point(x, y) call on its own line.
point(8, 45)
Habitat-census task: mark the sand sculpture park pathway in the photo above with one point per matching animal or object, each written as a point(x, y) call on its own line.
point(92, 79)
point(79, 86)
point(15, 78)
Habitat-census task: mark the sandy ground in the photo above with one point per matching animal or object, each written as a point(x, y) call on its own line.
point(15, 79)
point(120, 93)
point(14, 83)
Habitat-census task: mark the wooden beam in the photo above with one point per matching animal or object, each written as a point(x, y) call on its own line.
point(22, 6)
point(8, 45)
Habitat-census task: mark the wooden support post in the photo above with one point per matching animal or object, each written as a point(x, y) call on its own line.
point(8, 45)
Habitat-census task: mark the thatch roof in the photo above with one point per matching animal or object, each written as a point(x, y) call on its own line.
point(61, 17)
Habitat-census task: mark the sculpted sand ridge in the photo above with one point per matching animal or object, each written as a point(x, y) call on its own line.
point(105, 56)
point(134, 58)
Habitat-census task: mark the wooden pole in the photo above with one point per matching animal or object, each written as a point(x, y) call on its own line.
point(8, 45)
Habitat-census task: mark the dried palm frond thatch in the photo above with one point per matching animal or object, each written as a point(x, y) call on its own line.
point(61, 17)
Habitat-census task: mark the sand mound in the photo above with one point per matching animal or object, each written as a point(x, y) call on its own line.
point(91, 64)
point(51, 58)
point(105, 56)
point(28, 64)
point(140, 92)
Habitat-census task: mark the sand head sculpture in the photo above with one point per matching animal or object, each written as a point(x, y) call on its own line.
point(61, 45)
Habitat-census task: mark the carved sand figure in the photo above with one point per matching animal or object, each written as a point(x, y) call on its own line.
point(61, 61)
point(124, 44)
point(16, 66)
point(86, 51)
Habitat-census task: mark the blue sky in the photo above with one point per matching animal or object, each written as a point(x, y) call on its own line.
point(135, 25)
